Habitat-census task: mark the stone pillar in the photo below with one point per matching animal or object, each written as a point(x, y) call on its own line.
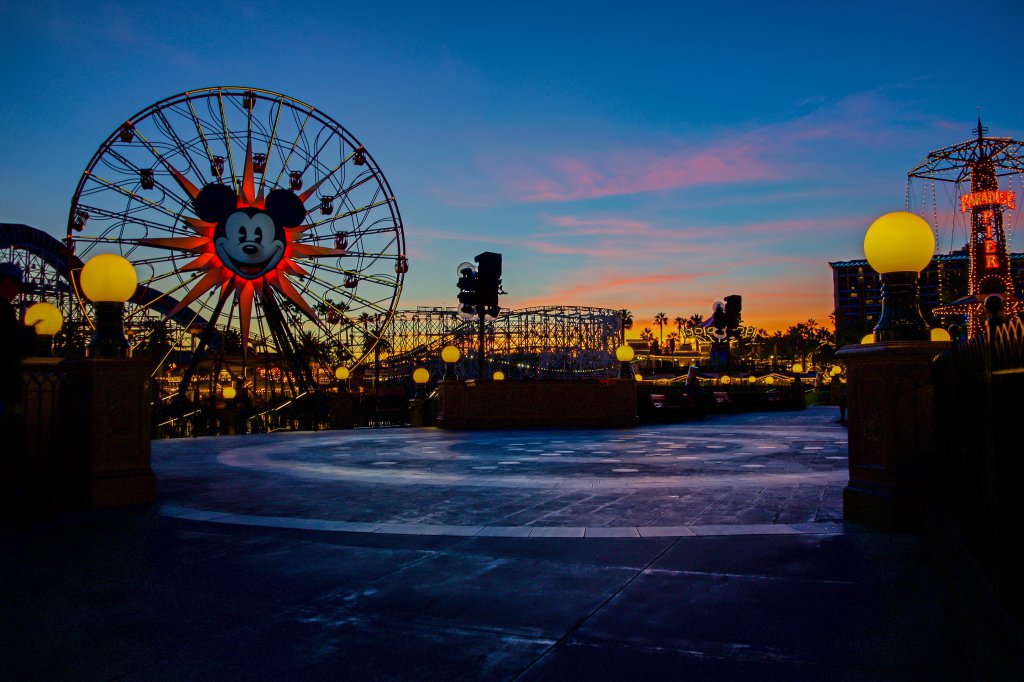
point(116, 452)
point(87, 434)
point(891, 430)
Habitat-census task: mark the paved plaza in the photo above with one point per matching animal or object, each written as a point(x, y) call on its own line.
point(755, 473)
point(710, 550)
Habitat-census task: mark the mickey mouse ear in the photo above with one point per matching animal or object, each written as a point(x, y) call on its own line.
point(285, 208)
point(215, 202)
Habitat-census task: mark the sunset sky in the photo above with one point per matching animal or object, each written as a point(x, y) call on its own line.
point(649, 156)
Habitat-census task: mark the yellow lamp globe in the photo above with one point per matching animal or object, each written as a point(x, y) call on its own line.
point(836, 370)
point(499, 376)
point(725, 379)
point(769, 380)
point(899, 242)
point(940, 334)
point(45, 317)
point(341, 374)
point(798, 368)
point(108, 278)
point(624, 353)
point(421, 375)
point(450, 354)
point(639, 377)
point(868, 338)
point(229, 393)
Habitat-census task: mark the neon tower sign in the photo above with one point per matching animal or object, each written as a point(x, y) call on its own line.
point(981, 161)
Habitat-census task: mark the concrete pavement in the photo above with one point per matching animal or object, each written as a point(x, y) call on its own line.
point(252, 566)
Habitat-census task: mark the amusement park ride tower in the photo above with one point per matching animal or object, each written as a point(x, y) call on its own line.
point(980, 161)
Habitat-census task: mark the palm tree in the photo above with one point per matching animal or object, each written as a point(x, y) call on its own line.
point(647, 335)
point(661, 319)
point(673, 338)
point(627, 322)
point(679, 322)
point(695, 320)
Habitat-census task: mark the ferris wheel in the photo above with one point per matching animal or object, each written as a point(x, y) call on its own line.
point(256, 225)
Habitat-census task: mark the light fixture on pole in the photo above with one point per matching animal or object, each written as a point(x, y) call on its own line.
point(450, 355)
point(108, 280)
point(420, 376)
point(47, 321)
point(624, 354)
point(898, 246)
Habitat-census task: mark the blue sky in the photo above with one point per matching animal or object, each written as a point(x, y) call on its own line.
point(652, 156)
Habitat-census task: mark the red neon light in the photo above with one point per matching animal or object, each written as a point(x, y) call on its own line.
point(991, 196)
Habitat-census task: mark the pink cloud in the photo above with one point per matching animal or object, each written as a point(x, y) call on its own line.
point(570, 178)
point(798, 148)
point(602, 226)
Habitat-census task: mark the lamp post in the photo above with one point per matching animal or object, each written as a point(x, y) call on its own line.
point(450, 355)
point(417, 418)
point(47, 321)
point(342, 374)
point(108, 280)
point(889, 391)
point(898, 246)
point(624, 354)
point(420, 376)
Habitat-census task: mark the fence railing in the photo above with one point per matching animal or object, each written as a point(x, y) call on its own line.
point(979, 463)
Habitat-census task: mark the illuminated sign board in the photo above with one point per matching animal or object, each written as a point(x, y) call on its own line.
point(707, 333)
point(986, 198)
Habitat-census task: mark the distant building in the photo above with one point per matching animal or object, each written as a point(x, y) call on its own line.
point(858, 301)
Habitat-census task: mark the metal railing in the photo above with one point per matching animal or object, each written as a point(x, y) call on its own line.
point(979, 464)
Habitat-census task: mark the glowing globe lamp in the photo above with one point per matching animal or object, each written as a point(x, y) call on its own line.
point(45, 317)
point(836, 370)
point(639, 377)
point(868, 338)
point(229, 393)
point(798, 368)
point(108, 280)
point(769, 380)
point(725, 379)
point(898, 246)
point(420, 376)
point(624, 354)
point(341, 374)
point(940, 334)
point(450, 355)
point(499, 376)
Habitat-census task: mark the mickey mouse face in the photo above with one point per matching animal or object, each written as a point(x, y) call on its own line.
point(249, 246)
point(249, 241)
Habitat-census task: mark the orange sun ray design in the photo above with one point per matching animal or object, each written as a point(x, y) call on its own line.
point(244, 264)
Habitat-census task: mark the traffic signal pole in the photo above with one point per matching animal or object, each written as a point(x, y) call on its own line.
point(483, 331)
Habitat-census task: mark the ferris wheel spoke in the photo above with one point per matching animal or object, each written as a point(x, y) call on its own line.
point(133, 195)
point(227, 139)
point(97, 212)
point(166, 189)
point(199, 128)
point(180, 145)
point(342, 271)
point(349, 214)
point(295, 142)
point(271, 141)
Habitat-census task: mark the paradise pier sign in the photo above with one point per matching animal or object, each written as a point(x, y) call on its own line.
point(988, 198)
